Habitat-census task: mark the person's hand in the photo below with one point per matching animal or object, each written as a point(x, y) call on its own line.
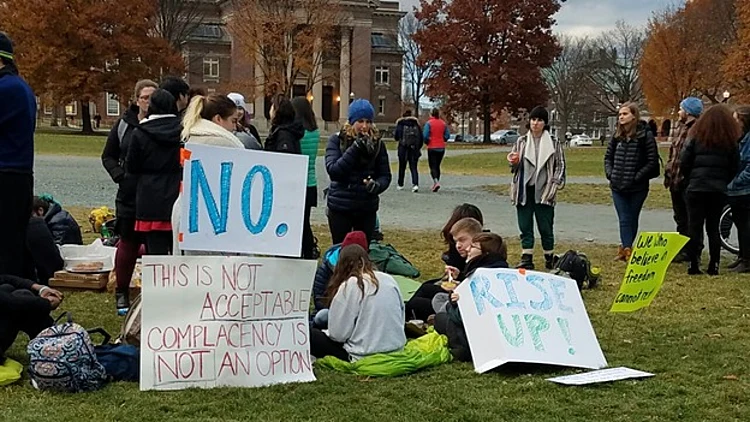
point(46, 293)
point(454, 297)
point(513, 158)
point(360, 144)
point(451, 272)
point(54, 301)
point(371, 185)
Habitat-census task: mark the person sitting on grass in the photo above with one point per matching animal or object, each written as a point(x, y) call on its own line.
point(487, 250)
point(24, 306)
point(43, 257)
point(65, 229)
point(325, 272)
point(460, 234)
point(366, 314)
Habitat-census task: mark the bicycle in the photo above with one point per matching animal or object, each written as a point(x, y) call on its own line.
point(728, 231)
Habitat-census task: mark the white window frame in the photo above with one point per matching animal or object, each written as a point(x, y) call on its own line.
point(211, 62)
point(48, 109)
point(111, 100)
point(381, 106)
point(72, 106)
point(382, 75)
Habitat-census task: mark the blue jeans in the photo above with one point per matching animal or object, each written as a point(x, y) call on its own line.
point(628, 206)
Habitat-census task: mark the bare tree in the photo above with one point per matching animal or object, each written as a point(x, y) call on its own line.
point(416, 72)
point(564, 78)
point(177, 20)
point(614, 66)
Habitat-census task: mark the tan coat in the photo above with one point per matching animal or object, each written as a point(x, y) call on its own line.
point(551, 156)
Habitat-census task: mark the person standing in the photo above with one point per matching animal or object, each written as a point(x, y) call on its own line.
point(179, 89)
point(286, 132)
point(17, 125)
point(309, 144)
point(631, 160)
point(410, 139)
point(357, 164)
point(738, 192)
point(690, 110)
point(245, 131)
point(709, 162)
point(538, 165)
point(436, 135)
point(113, 160)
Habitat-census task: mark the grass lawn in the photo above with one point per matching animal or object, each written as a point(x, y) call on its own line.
point(579, 162)
point(50, 143)
point(597, 194)
point(694, 337)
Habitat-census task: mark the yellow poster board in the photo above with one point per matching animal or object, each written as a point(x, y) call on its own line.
point(646, 269)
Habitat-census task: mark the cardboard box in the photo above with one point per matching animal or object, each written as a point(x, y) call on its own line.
point(76, 281)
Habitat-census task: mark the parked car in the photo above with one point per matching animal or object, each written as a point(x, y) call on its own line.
point(504, 137)
point(471, 139)
point(581, 141)
point(454, 138)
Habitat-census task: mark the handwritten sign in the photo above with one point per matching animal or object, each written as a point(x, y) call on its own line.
point(243, 201)
point(646, 270)
point(603, 375)
point(533, 317)
point(218, 321)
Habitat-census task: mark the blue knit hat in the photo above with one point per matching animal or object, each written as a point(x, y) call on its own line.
point(361, 109)
point(692, 106)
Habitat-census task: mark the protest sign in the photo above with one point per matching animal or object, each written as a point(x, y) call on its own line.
point(604, 375)
point(527, 316)
point(242, 201)
point(646, 269)
point(224, 321)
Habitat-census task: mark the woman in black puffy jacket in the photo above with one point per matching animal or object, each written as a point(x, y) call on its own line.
point(357, 164)
point(631, 160)
point(286, 132)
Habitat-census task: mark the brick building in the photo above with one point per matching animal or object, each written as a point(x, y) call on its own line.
point(367, 63)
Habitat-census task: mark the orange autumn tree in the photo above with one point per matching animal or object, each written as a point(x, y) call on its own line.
point(736, 66)
point(73, 50)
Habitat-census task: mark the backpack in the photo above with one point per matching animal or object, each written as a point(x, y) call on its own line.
point(122, 127)
point(576, 265)
point(131, 328)
point(62, 358)
point(410, 137)
point(121, 361)
point(390, 261)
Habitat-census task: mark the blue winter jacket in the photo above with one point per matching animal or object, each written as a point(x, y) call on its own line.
point(17, 123)
point(740, 185)
point(323, 276)
point(348, 168)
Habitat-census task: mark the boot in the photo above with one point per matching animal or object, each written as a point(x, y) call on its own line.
point(713, 268)
point(742, 267)
point(549, 261)
point(694, 268)
point(620, 255)
point(736, 263)
point(122, 301)
point(626, 252)
point(527, 262)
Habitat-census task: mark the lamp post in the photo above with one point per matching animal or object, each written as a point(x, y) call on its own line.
point(726, 96)
point(351, 97)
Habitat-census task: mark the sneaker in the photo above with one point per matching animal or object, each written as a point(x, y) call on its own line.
point(122, 301)
point(414, 188)
point(436, 187)
point(399, 187)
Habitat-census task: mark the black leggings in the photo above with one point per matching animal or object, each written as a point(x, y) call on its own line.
point(158, 243)
point(408, 156)
point(341, 223)
point(11, 324)
point(705, 208)
point(308, 238)
point(16, 192)
point(741, 217)
point(321, 346)
point(434, 158)
point(420, 305)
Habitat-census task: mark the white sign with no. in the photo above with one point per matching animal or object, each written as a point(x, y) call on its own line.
point(218, 321)
point(242, 201)
point(532, 317)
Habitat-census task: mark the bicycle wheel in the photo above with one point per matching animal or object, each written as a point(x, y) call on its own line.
point(728, 232)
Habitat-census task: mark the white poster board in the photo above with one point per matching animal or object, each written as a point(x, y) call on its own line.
point(603, 375)
point(243, 201)
point(531, 317)
point(218, 321)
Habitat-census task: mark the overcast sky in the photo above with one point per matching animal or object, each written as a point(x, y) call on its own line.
point(579, 17)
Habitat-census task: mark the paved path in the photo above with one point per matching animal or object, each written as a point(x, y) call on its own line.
point(82, 181)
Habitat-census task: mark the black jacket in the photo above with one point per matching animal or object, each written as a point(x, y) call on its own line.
point(348, 167)
point(18, 305)
point(113, 159)
point(65, 229)
point(45, 256)
point(285, 138)
point(708, 169)
point(630, 163)
point(154, 159)
point(410, 121)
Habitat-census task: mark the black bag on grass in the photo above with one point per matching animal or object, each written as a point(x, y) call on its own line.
point(577, 266)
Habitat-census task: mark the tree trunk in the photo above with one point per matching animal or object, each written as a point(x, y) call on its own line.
point(55, 116)
point(86, 118)
point(486, 120)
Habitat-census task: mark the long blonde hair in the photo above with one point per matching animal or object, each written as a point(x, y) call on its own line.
point(628, 131)
point(206, 108)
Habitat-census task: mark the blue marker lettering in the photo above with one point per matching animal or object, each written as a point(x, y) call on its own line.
point(481, 291)
point(546, 303)
point(198, 181)
point(266, 205)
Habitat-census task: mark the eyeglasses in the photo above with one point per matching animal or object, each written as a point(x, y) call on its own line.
point(144, 97)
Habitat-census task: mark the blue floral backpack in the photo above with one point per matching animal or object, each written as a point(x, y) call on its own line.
point(62, 358)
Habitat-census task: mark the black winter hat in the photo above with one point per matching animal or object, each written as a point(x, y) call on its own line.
point(540, 112)
point(6, 47)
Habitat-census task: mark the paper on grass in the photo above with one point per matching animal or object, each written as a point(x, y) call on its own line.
point(602, 375)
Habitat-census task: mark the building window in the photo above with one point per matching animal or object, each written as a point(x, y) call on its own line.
point(113, 106)
point(382, 75)
point(71, 109)
point(381, 106)
point(48, 108)
point(210, 69)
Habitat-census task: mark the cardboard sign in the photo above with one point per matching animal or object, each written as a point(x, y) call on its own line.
point(243, 201)
point(646, 270)
point(218, 321)
point(604, 375)
point(526, 316)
